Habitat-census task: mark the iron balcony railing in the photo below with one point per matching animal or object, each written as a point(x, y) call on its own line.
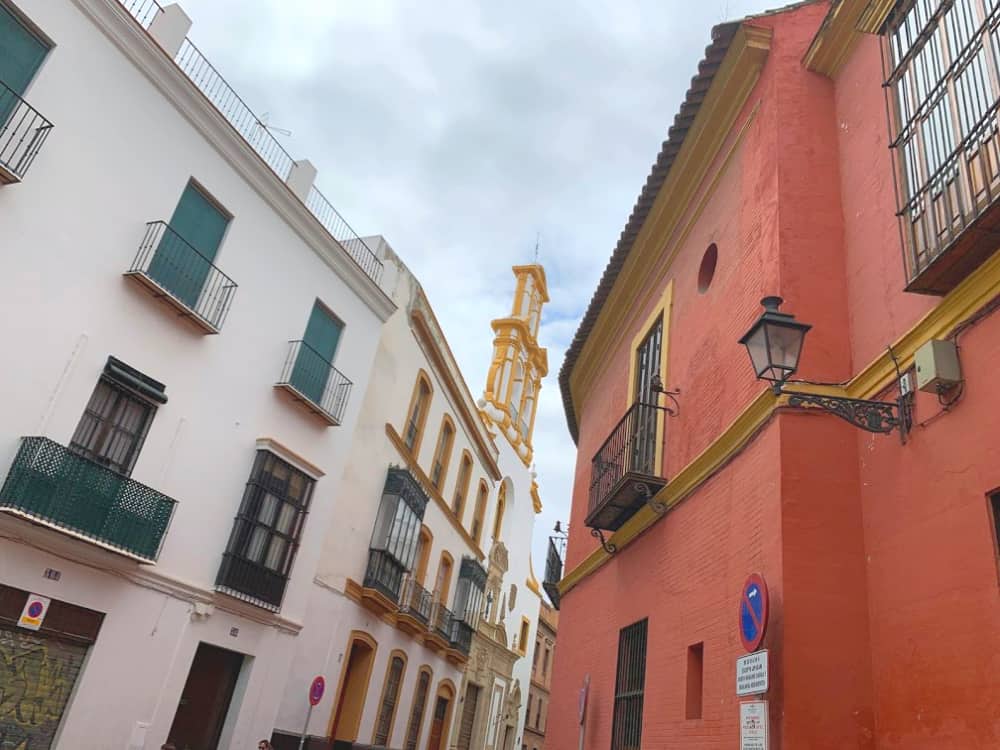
point(143, 11)
point(384, 574)
point(22, 132)
point(554, 568)
point(460, 637)
point(441, 619)
point(51, 484)
point(630, 449)
point(180, 272)
point(256, 134)
point(315, 380)
point(415, 600)
point(251, 581)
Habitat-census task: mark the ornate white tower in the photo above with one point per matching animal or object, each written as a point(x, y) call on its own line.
point(519, 363)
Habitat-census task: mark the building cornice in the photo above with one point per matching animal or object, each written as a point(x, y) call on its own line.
point(729, 91)
point(163, 73)
point(962, 303)
point(845, 23)
point(425, 327)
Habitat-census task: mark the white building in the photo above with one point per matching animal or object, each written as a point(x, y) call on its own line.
point(421, 615)
point(172, 295)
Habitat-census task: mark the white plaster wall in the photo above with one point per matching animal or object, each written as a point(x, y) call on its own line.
point(119, 156)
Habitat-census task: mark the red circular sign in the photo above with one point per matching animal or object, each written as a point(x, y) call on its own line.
point(35, 609)
point(316, 690)
point(752, 612)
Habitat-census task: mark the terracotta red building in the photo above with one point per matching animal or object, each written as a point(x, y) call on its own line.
point(843, 156)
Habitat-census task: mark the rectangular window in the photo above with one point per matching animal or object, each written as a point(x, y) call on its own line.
point(314, 359)
point(626, 730)
point(545, 663)
point(390, 696)
point(23, 53)
point(117, 417)
point(522, 642)
point(695, 672)
point(183, 259)
point(995, 507)
point(943, 60)
point(266, 532)
point(396, 534)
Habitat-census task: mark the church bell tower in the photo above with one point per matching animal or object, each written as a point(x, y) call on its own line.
point(510, 400)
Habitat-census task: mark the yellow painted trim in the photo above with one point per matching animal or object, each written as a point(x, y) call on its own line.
point(414, 467)
point(843, 26)
point(536, 270)
point(479, 514)
point(522, 647)
point(536, 500)
point(615, 314)
point(364, 637)
point(980, 288)
point(531, 582)
point(422, 377)
point(442, 451)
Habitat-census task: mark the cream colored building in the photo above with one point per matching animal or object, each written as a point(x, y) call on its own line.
point(421, 613)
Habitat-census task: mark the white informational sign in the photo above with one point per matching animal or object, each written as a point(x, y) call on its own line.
point(753, 726)
point(751, 674)
point(33, 612)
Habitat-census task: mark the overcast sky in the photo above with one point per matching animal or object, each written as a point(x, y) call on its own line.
point(461, 129)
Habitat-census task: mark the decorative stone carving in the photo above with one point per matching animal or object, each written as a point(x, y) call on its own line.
point(512, 597)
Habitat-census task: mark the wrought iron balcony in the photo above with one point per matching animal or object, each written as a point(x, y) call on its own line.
point(441, 619)
point(384, 574)
point(174, 271)
point(315, 383)
point(623, 473)
point(51, 485)
point(945, 131)
point(22, 132)
point(415, 601)
point(461, 636)
point(554, 568)
point(251, 581)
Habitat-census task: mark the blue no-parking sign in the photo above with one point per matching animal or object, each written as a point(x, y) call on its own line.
point(753, 612)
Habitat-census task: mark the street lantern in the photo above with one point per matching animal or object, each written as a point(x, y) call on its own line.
point(774, 343)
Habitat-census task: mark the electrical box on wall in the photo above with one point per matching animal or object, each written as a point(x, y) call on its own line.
point(937, 366)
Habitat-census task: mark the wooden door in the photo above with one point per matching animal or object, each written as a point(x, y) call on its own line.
point(205, 699)
point(351, 701)
point(468, 717)
point(435, 740)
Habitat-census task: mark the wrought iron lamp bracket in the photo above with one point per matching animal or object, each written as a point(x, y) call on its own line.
point(872, 416)
point(609, 547)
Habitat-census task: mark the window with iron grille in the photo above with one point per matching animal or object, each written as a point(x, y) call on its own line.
point(630, 679)
point(390, 694)
point(117, 417)
point(266, 532)
point(944, 71)
point(417, 710)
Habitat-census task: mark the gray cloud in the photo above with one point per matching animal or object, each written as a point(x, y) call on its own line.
point(459, 128)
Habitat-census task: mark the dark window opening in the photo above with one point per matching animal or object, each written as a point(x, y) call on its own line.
point(695, 675)
point(626, 730)
point(265, 536)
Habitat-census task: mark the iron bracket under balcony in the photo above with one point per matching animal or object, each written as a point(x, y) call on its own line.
point(623, 472)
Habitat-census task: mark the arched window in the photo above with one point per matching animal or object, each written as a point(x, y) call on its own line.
point(442, 583)
point(417, 709)
point(462, 485)
point(501, 507)
point(442, 454)
point(424, 541)
point(516, 391)
point(390, 698)
point(527, 415)
point(477, 519)
point(419, 406)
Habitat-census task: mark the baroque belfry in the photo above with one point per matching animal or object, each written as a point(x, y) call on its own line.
point(510, 400)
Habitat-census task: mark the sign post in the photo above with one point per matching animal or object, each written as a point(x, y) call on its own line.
point(583, 705)
point(316, 690)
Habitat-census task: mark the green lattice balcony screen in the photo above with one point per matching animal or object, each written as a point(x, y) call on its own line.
point(50, 483)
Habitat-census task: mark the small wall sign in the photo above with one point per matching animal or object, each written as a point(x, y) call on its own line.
point(34, 612)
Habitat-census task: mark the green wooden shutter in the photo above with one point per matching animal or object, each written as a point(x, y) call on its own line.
point(312, 364)
point(21, 54)
point(184, 256)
